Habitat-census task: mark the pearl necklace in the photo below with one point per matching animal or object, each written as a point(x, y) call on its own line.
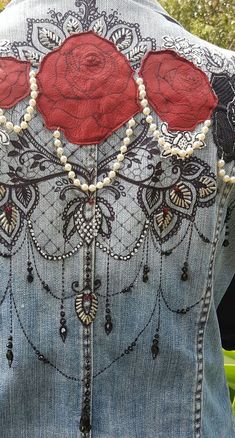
point(166, 146)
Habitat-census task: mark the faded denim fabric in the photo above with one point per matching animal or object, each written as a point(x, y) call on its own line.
point(136, 271)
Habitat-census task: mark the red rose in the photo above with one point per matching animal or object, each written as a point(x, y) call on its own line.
point(179, 92)
point(86, 88)
point(14, 81)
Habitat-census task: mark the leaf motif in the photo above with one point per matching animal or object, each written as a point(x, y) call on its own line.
point(24, 195)
point(73, 25)
point(16, 144)
point(38, 157)
point(33, 57)
point(34, 164)
point(137, 53)
point(99, 26)
point(48, 38)
point(122, 37)
point(214, 59)
point(13, 153)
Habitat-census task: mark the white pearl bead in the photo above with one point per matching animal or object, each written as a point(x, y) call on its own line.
point(92, 188)
point(112, 174)
point(32, 80)
point(201, 137)
point(17, 129)
point(77, 182)
point(106, 181)
point(1, 112)
point(139, 81)
point(9, 126)
point(100, 185)
point(123, 149)
point(207, 123)
point(60, 152)
point(149, 119)
point(34, 87)
point(226, 178)
point(221, 172)
point(131, 123)
point(189, 151)
point(126, 140)
point(34, 94)
point(71, 174)
point(120, 157)
point(153, 127)
point(129, 132)
point(116, 166)
point(144, 103)
point(3, 119)
point(156, 133)
point(84, 187)
point(174, 151)
point(232, 179)
point(167, 145)
point(24, 125)
point(63, 159)
point(221, 163)
point(161, 141)
point(196, 144)
point(32, 73)
point(27, 117)
point(182, 153)
point(32, 102)
point(57, 143)
point(146, 111)
point(56, 134)
point(205, 130)
point(67, 167)
point(142, 94)
point(30, 109)
point(142, 87)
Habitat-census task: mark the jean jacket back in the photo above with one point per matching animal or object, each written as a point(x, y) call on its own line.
point(108, 297)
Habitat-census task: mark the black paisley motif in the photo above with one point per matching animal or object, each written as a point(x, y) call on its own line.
point(166, 203)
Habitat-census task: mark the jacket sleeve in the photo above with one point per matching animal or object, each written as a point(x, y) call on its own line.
point(225, 279)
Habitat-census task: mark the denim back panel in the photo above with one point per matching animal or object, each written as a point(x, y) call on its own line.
point(153, 350)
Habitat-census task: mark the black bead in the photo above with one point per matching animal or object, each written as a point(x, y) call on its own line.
point(108, 317)
point(108, 327)
point(30, 278)
point(9, 345)
point(226, 242)
point(63, 333)
point(62, 314)
point(184, 276)
point(10, 338)
point(9, 356)
point(154, 350)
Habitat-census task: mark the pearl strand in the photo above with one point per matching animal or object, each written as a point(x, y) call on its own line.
point(156, 133)
point(29, 110)
point(111, 175)
point(221, 172)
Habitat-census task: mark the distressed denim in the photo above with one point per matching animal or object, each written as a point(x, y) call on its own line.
point(180, 390)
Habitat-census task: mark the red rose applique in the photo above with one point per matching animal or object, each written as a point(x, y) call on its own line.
point(87, 89)
point(179, 92)
point(14, 81)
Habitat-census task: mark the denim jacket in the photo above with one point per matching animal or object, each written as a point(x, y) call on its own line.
point(109, 300)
